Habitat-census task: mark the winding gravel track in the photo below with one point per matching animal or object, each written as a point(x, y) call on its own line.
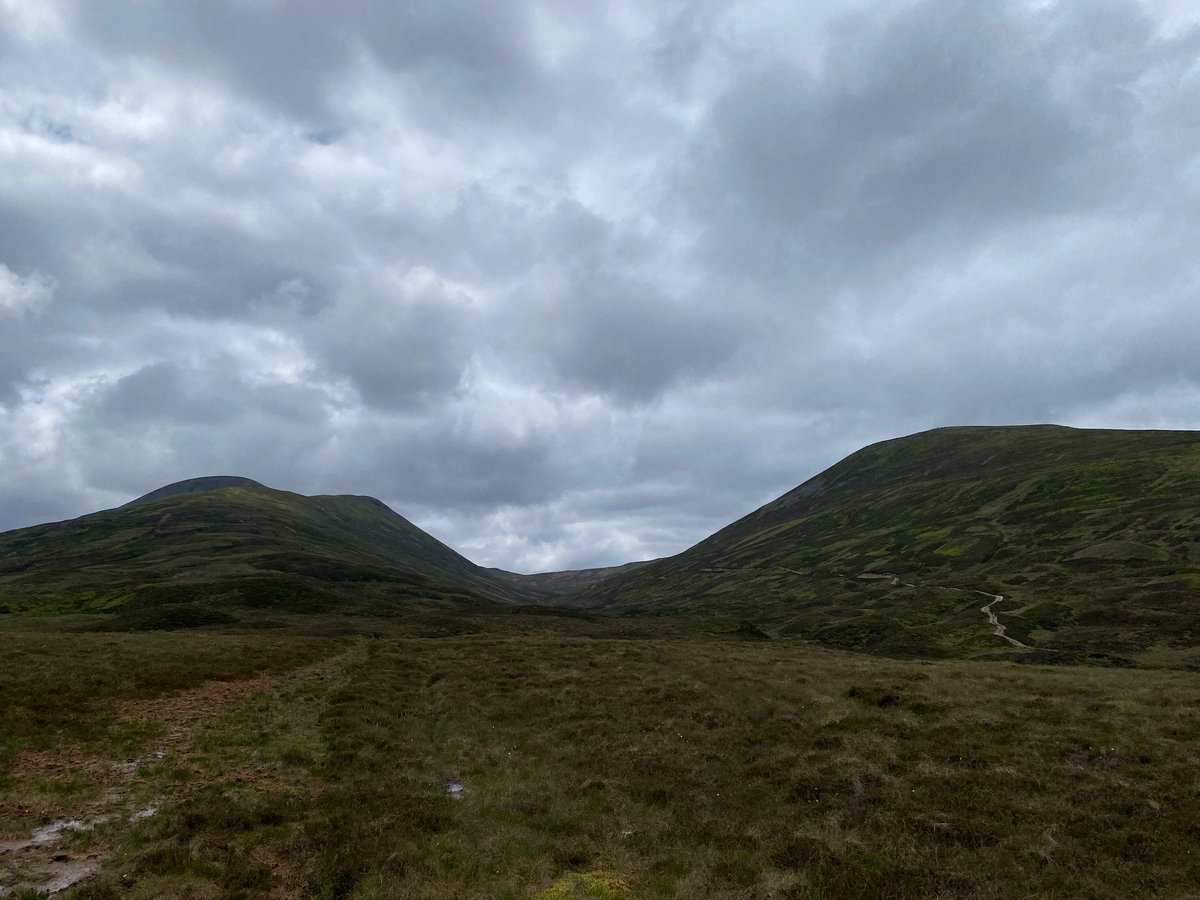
point(1001, 631)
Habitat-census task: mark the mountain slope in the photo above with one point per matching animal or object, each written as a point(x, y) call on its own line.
point(554, 584)
point(1092, 538)
point(203, 533)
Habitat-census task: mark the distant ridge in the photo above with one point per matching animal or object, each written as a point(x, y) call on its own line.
point(196, 486)
point(565, 582)
point(1049, 543)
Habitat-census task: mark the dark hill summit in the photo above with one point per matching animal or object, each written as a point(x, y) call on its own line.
point(1091, 537)
point(196, 486)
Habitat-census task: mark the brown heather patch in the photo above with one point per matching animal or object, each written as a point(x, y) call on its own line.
point(110, 798)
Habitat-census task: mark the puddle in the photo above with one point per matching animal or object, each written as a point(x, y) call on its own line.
point(146, 813)
point(455, 788)
point(130, 767)
point(49, 834)
point(889, 576)
point(32, 864)
point(70, 873)
point(55, 876)
point(35, 863)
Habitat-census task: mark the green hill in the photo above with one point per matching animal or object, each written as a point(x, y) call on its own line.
point(1091, 537)
point(207, 542)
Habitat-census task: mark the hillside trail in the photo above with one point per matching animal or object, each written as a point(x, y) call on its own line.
point(999, 631)
point(125, 794)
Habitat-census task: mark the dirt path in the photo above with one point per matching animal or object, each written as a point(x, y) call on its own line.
point(1001, 631)
point(38, 862)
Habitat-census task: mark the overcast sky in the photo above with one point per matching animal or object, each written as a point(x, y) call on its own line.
point(571, 284)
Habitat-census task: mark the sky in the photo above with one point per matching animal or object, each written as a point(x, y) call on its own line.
point(571, 284)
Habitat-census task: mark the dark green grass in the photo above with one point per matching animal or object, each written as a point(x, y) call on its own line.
point(241, 794)
point(680, 766)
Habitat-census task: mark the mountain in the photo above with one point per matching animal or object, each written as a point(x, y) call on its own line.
point(556, 584)
point(1090, 540)
point(226, 536)
point(1091, 537)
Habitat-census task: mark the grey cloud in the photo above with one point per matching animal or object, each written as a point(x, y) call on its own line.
point(162, 392)
point(624, 338)
point(430, 466)
point(27, 238)
point(213, 393)
point(182, 428)
point(578, 283)
point(289, 56)
point(44, 496)
point(922, 132)
point(402, 342)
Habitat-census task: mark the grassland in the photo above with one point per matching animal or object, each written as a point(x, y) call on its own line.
point(598, 758)
point(60, 685)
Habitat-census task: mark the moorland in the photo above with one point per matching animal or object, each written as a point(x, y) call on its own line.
point(223, 690)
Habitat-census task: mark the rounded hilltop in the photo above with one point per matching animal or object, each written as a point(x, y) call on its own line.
point(196, 486)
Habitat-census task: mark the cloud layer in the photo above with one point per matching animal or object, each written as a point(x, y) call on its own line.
point(572, 284)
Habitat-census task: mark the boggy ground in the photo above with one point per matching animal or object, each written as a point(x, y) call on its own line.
point(103, 733)
point(594, 763)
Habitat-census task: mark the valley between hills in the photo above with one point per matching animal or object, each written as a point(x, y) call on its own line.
point(963, 663)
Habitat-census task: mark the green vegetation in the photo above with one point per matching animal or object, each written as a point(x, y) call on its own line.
point(198, 486)
point(656, 764)
point(1093, 538)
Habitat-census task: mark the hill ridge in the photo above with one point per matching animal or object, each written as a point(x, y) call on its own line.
point(195, 486)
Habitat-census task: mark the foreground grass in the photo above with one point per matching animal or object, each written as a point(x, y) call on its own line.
point(60, 686)
point(685, 767)
point(728, 769)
